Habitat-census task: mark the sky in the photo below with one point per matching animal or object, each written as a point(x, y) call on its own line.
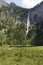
point(25, 3)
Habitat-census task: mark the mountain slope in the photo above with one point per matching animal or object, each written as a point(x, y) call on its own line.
point(2, 2)
point(17, 11)
point(37, 13)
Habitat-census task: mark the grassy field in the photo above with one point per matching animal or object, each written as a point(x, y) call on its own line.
point(21, 56)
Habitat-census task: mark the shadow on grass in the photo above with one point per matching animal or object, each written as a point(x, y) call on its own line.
point(22, 46)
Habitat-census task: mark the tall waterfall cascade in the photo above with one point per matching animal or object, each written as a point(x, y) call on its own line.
point(28, 24)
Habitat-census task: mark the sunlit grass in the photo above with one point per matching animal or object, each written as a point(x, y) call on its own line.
point(21, 56)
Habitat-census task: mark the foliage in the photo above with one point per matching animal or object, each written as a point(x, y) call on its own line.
point(2, 38)
point(16, 35)
point(36, 34)
point(32, 34)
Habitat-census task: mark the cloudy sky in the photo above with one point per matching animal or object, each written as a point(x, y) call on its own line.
point(26, 3)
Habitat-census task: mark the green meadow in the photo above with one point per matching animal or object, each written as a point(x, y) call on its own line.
point(21, 56)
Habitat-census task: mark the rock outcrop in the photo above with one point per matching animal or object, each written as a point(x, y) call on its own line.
point(37, 13)
point(2, 2)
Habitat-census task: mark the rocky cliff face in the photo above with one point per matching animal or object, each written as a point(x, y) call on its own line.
point(2, 2)
point(37, 13)
point(18, 13)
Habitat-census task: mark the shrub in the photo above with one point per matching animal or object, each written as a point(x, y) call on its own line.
point(2, 38)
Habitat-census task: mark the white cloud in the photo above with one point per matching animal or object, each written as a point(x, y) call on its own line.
point(30, 3)
point(25, 3)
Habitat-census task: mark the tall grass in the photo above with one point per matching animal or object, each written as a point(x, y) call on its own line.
point(21, 56)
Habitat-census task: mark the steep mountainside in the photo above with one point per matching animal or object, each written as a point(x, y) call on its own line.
point(2, 2)
point(37, 13)
point(21, 12)
point(13, 10)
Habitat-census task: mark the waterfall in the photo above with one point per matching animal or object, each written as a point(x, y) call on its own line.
point(28, 24)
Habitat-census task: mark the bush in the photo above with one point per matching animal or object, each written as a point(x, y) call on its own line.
point(2, 38)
